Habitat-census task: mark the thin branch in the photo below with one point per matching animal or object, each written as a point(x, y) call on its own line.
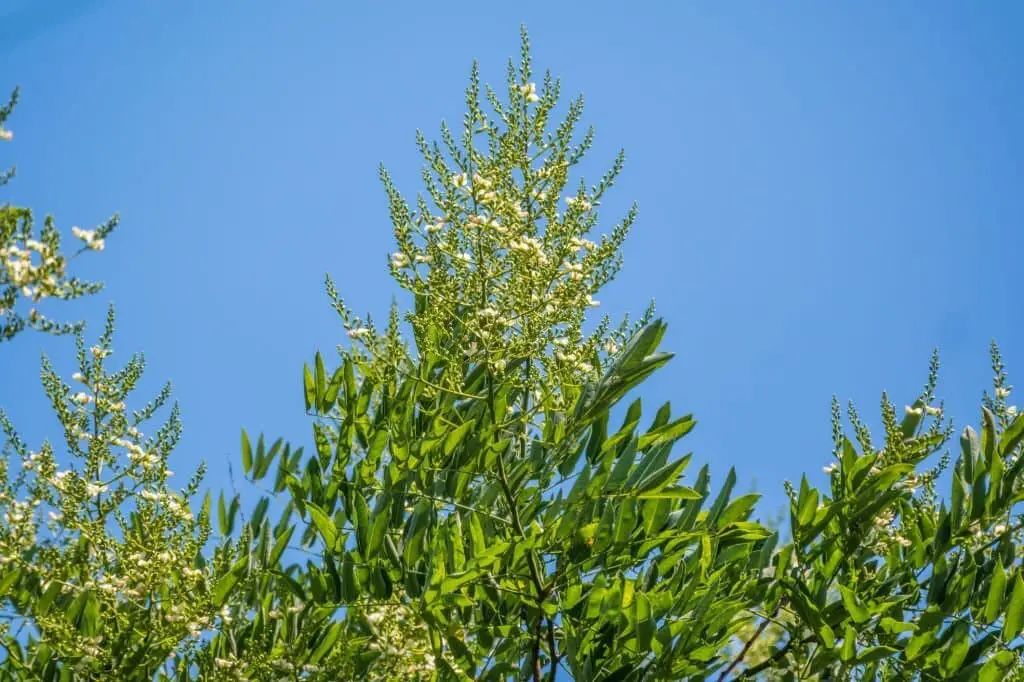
point(746, 648)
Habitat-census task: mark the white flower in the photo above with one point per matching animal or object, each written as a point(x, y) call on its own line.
point(832, 466)
point(530, 92)
point(84, 235)
point(423, 259)
point(399, 259)
point(936, 411)
point(591, 302)
point(912, 410)
point(82, 398)
point(1011, 410)
point(435, 227)
point(358, 333)
point(94, 489)
point(6, 135)
point(459, 180)
point(1003, 392)
point(611, 347)
point(79, 377)
point(999, 529)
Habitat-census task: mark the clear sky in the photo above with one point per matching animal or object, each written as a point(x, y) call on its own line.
point(827, 191)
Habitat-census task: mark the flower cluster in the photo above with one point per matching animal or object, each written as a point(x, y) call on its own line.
point(498, 253)
point(32, 265)
point(101, 524)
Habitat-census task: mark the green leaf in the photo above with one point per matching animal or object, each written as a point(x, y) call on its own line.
point(956, 651)
point(455, 437)
point(997, 667)
point(280, 545)
point(849, 648)
point(377, 531)
point(623, 464)
point(326, 644)
point(988, 435)
point(857, 612)
point(453, 581)
point(292, 584)
point(996, 592)
point(662, 477)
point(971, 448)
point(222, 516)
point(672, 493)
point(1012, 436)
point(875, 653)
point(9, 577)
point(1014, 618)
point(722, 499)
point(895, 627)
point(246, 453)
point(319, 381)
point(737, 510)
point(51, 592)
point(668, 433)
point(308, 387)
point(827, 637)
point(333, 388)
point(324, 524)
point(227, 582)
point(645, 625)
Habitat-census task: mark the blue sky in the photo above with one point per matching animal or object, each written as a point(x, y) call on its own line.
point(826, 193)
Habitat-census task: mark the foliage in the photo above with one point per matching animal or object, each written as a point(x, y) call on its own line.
point(99, 556)
point(482, 502)
point(32, 264)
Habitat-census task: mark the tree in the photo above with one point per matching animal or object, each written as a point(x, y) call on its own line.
point(475, 465)
point(470, 511)
point(32, 265)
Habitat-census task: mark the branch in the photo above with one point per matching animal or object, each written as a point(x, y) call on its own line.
point(746, 647)
point(768, 662)
point(536, 648)
point(551, 645)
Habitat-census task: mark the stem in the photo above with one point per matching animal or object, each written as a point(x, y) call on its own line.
point(768, 662)
point(536, 649)
point(746, 647)
point(551, 645)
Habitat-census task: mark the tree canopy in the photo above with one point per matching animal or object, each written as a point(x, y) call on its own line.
point(485, 498)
